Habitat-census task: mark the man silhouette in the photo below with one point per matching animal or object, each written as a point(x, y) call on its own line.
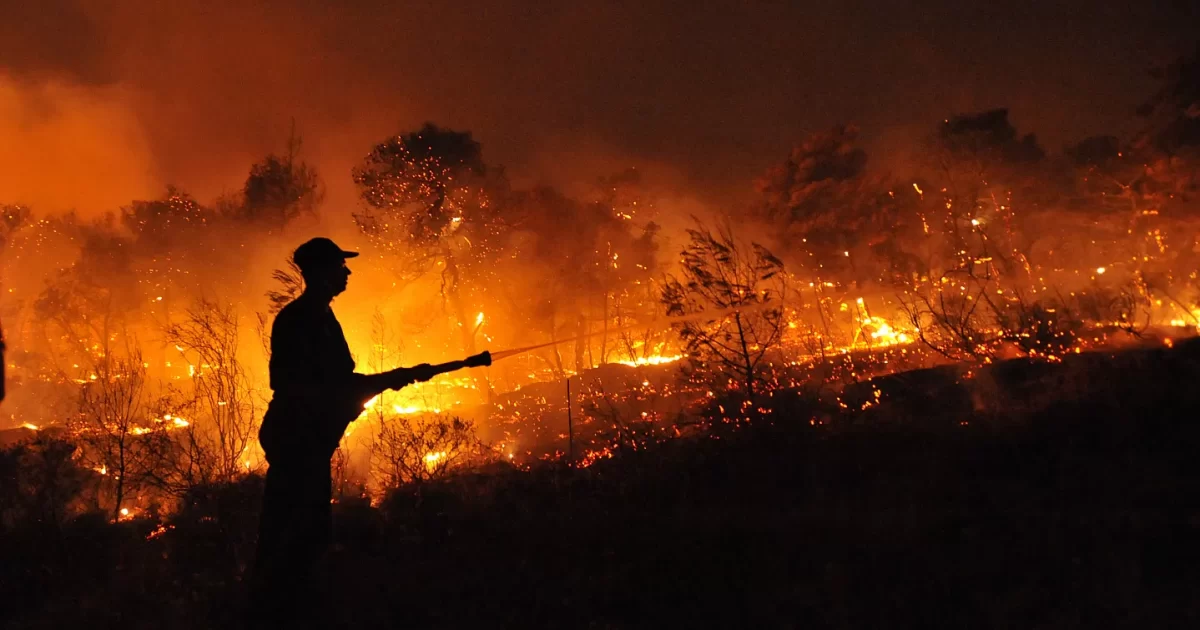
point(316, 394)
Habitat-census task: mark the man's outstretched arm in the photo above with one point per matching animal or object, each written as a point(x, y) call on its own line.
point(395, 379)
point(404, 376)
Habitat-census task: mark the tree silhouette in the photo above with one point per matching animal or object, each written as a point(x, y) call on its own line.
point(735, 293)
point(280, 188)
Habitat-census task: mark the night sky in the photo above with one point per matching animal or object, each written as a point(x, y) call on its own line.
point(129, 96)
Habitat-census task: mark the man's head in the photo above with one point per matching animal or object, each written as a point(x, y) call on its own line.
point(323, 265)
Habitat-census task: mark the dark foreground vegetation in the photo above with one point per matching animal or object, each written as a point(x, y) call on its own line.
point(1055, 496)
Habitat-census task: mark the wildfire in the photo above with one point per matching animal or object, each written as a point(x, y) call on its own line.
point(884, 334)
point(159, 531)
point(409, 410)
point(651, 360)
point(592, 456)
point(960, 264)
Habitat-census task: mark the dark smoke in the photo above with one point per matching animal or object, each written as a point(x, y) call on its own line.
point(105, 101)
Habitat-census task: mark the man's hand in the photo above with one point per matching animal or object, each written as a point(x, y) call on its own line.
point(403, 377)
point(422, 372)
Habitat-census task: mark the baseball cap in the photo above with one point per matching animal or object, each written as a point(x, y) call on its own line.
point(320, 252)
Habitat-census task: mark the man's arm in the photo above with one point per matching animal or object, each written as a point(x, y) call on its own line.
point(398, 378)
point(297, 384)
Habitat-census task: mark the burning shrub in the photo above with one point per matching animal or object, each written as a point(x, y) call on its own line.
point(1127, 307)
point(1040, 329)
point(412, 449)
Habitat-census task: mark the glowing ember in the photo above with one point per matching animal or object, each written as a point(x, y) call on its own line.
point(159, 531)
point(433, 459)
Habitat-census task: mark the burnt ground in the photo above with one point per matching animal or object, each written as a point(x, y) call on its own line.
point(1037, 496)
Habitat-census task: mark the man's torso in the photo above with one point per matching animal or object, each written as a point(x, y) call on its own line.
point(311, 368)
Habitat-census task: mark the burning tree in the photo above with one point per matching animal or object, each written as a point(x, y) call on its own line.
point(94, 298)
point(820, 203)
point(84, 314)
point(426, 201)
point(166, 225)
point(733, 297)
